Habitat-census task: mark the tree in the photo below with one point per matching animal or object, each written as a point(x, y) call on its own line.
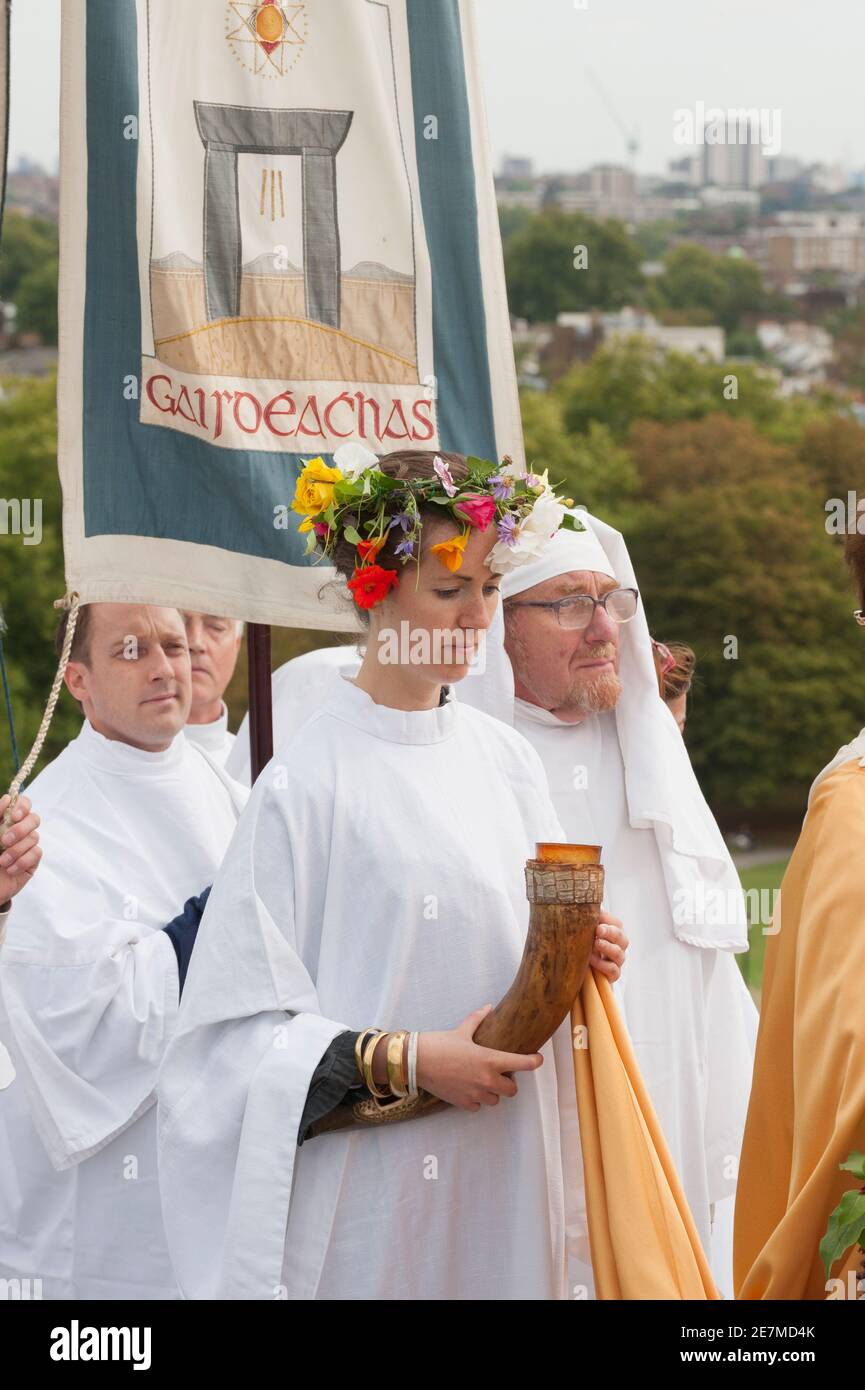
point(634, 379)
point(513, 220)
point(848, 330)
point(833, 448)
point(29, 244)
point(731, 549)
point(543, 280)
point(724, 288)
point(36, 301)
point(597, 472)
point(31, 576)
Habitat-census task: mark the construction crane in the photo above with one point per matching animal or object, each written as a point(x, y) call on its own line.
point(632, 143)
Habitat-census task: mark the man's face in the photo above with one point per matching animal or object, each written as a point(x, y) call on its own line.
point(213, 647)
point(572, 672)
point(135, 686)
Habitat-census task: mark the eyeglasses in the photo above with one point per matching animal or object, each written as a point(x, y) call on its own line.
point(859, 615)
point(578, 610)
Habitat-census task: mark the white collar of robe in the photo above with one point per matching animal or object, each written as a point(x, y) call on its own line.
point(393, 725)
point(110, 755)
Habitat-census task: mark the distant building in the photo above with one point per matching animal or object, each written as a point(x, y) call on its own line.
point(783, 169)
point(736, 161)
point(530, 198)
point(32, 192)
point(828, 178)
point(688, 169)
point(514, 167)
point(804, 242)
point(697, 340)
point(612, 191)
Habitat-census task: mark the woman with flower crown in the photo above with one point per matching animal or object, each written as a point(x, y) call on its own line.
point(370, 909)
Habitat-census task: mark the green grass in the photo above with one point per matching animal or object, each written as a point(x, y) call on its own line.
point(765, 878)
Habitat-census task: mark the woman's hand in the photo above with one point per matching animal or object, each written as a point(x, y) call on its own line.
point(452, 1067)
point(19, 848)
point(608, 957)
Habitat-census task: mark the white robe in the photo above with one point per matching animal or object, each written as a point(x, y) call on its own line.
point(691, 1016)
point(687, 1008)
point(376, 877)
point(300, 687)
point(214, 737)
point(88, 998)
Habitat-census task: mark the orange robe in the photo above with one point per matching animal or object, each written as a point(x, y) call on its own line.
point(642, 1235)
point(807, 1109)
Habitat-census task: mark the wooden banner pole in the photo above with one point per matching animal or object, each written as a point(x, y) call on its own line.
point(260, 697)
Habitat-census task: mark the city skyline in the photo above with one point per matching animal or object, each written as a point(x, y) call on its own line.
point(542, 102)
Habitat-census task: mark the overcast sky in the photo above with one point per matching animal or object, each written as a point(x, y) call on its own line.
point(796, 56)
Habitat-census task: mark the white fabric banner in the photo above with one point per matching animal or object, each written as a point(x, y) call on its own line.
point(279, 234)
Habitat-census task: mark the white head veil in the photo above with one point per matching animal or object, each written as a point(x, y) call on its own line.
point(663, 794)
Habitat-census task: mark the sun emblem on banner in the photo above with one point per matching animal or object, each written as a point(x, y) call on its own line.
point(266, 37)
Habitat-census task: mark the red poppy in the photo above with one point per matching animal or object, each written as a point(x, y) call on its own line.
point(371, 584)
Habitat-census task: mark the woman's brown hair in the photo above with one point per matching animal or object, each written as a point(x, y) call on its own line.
point(409, 464)
point(679, 678)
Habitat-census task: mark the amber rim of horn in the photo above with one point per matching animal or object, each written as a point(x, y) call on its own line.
point(549, 852)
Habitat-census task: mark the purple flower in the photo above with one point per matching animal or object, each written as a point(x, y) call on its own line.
point(501, 487)
point(506, 528)
point(405, 548)
point(444, 474)
point(401, 519)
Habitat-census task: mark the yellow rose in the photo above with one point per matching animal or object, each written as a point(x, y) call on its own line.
point(314, 491)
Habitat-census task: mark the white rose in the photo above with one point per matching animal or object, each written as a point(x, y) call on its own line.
point(353, 460)
point(502, 558)
point(545, 518)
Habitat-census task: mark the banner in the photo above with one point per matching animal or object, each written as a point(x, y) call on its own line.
point(278, 235)
point(5, 22)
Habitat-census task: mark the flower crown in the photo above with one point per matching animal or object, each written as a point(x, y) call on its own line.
point(354, 500)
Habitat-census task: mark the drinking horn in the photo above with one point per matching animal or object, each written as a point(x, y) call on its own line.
point(564, 886)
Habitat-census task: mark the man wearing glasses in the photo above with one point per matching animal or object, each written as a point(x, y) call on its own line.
point(576, 676)
point(807, 1112)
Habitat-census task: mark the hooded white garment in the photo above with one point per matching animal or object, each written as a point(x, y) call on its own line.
point(376, 877)
point(624, 780)
point(88, 998)
point(214, 737)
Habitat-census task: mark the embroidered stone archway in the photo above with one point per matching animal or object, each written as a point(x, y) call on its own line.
point(316, 136)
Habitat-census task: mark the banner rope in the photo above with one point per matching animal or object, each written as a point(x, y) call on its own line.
point(7, 697)
point(72, 602)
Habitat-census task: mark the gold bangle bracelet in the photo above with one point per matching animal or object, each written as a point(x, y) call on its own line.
point(368, 1057)
point(360, 1043)
point(396, 1070)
